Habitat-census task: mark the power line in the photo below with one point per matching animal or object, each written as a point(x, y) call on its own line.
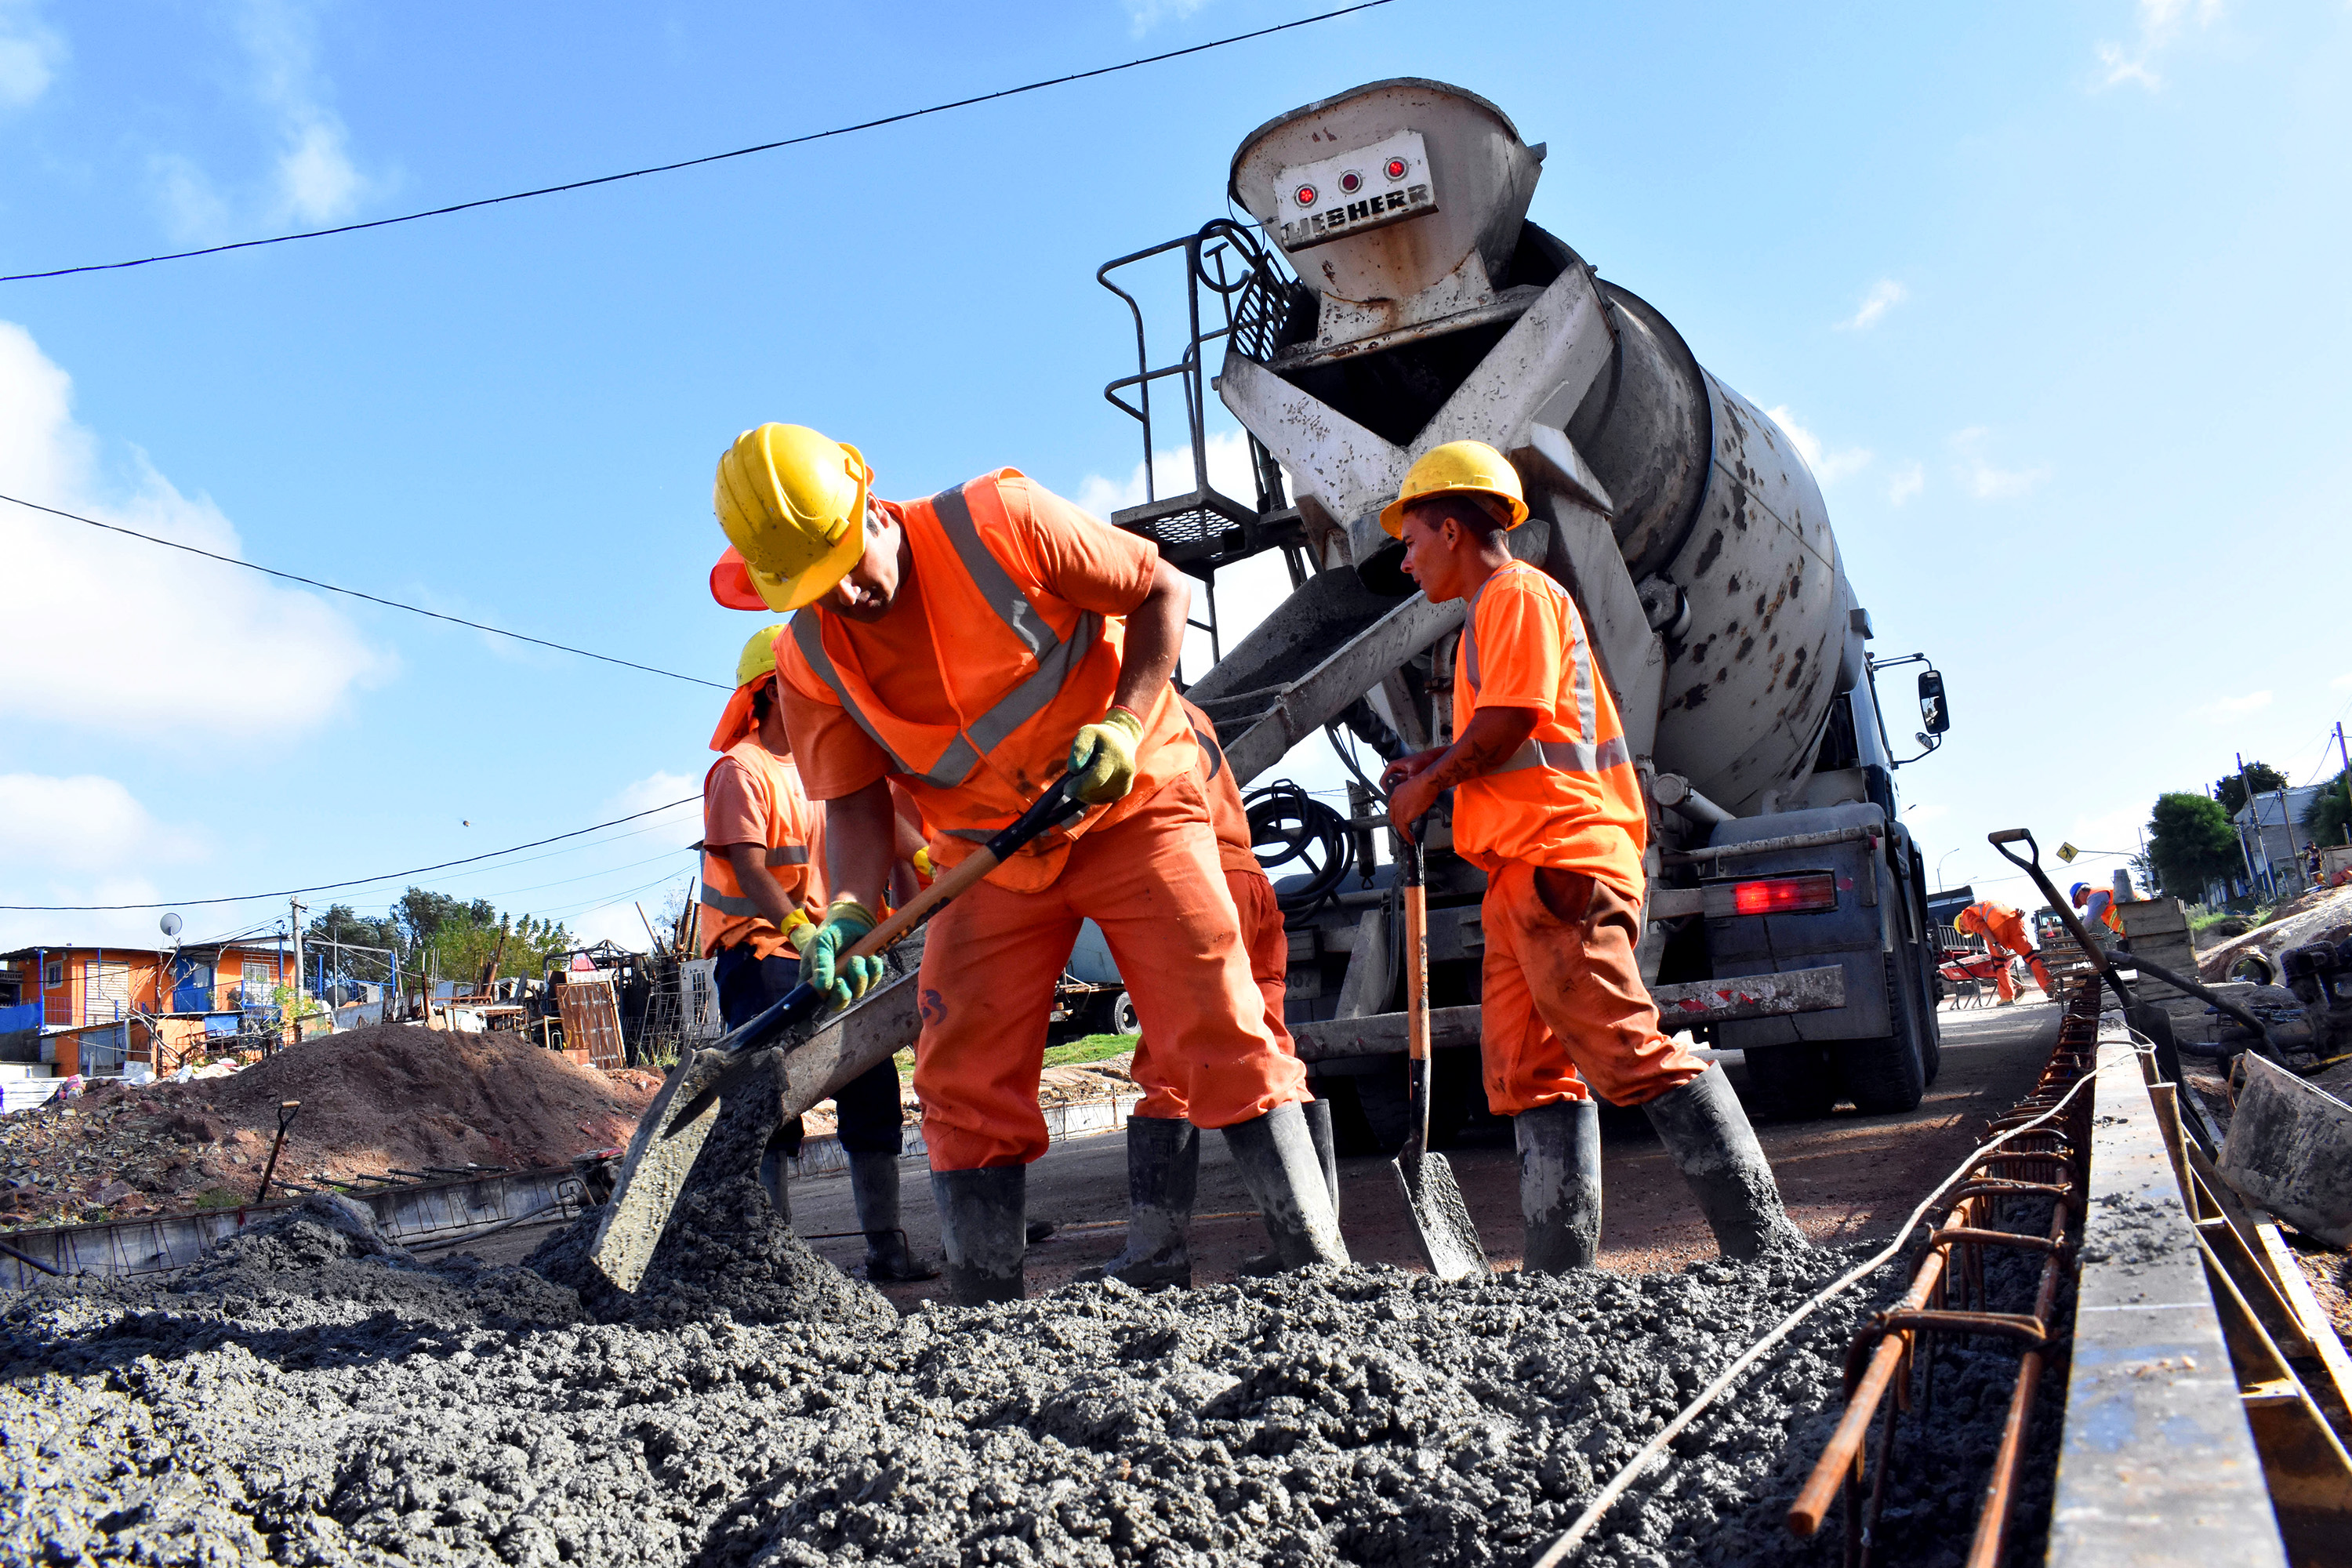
point(696, 163)
point(354, 593)
point(354, 882)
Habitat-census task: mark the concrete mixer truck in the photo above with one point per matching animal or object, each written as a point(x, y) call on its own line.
point(1388, 295)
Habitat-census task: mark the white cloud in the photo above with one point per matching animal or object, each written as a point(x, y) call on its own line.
point(2161, 24)
point(315, 177)
point(1171, 474)
point(655, 789)
point(30, 54)
point(123, 637)
point(1142, 15)
point(81, 840)
point(1983, 480)
point(1909, 480)
point(1828, 467)
point(2341, 681)
point(1882, 297)
point(2224, 707)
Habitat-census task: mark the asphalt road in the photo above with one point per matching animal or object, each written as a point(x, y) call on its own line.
point(1845, 1177)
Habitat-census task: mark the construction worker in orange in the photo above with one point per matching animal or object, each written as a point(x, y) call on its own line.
point(1546, 801)
point(974, 647)
point(762, 895)
point(2097, 905)
point(1164, 1149)
point(2003, 930)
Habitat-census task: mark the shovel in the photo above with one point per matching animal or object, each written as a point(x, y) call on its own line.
point(1440, 1220)
point(672, 1132)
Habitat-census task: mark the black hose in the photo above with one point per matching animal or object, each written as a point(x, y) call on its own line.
point(1298, 828)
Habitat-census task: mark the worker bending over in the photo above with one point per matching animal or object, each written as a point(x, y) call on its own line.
point(2003, 930)
point(763, 894)
point(1547, 801)
point(1164, 1150)
point(2098, 907)
point(974, 647)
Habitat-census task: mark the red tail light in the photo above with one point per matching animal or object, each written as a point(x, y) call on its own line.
point(1785, 895)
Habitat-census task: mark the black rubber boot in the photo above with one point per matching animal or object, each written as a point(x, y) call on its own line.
point(1163, 1171)
point(981, 1228)
point(1706, 1133)
point(1326, 1155)
point(1277, 1157)
point(1560, 1185)
point(874, 1187)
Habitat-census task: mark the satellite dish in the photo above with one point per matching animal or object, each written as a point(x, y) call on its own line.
point(171, 924)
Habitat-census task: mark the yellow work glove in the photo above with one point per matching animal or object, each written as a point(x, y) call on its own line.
point(825, 964)
point(921, 862)
point(1102, 757)
point(798, 929)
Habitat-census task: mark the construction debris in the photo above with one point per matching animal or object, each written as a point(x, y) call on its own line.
point(375, 1102)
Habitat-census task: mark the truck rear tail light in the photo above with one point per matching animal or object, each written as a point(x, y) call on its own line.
point(1785, 895)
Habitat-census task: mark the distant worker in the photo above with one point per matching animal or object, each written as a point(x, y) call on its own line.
point(1547, 801)
point(2003, 930)
point(1164, 1150)
point(973, 647)
point(762, 895)
point(2097, 905)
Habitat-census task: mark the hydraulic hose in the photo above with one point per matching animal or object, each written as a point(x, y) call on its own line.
point(1290, 829)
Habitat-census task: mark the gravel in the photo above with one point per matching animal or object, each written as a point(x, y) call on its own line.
point(305, 1395)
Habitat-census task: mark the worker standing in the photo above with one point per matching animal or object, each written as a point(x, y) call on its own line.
point(2003, 930)
point(1547, 801)
point(1164, 1149)
point(762, 895)
point(973, 648)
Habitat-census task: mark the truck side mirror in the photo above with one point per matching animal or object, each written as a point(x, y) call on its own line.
point(1932, 713)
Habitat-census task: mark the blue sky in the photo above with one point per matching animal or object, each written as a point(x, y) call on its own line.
point(2051, 295)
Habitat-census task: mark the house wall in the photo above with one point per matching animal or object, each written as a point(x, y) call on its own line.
point(130, 975)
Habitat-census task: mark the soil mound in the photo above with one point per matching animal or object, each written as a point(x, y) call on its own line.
point(374, 1098)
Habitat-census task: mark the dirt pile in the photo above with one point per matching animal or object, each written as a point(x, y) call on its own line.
point(2320, 915)
point(373, 1100)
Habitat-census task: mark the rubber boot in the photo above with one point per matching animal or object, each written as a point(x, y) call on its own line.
point(874, 1187)
point(1706, 1133)
point(1163, 1171)
point(981, 1228)
point(1275, 1154)
point(1560, 1185)
point(1326, 1155)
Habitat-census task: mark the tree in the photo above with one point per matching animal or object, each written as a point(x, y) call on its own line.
point(2190, 842)
point(2327, 820)
point(2263, 777)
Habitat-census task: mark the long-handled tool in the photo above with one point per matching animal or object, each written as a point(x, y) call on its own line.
point(286, 1112)
point(671, 1132)
point(1440, 1220)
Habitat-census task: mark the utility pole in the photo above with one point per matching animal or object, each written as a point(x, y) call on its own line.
point(2256, 882)
point(294, 992)
point(2293, 852)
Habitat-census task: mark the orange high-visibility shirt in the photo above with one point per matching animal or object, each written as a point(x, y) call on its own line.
point(969, 693)
point(751, 796)
point(1569, 799)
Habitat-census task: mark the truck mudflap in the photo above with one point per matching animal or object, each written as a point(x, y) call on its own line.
point(1680, 1008)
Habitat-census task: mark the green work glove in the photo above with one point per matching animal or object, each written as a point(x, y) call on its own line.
point(824, 960)
point(1102, 757)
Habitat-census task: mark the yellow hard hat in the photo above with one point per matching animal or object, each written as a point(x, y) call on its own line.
point(793, 503)
point(759, 656)
point(1471, 466)
point(753, 666)
point(1970, 922)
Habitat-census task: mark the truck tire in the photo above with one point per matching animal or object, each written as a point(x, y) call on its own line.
point(1371, 1112)
point(1885, 1077)
point(1115, 1015)
point(1790, 1083)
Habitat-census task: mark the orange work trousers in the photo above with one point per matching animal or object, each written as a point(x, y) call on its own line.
point(1268, 946)
point(2005, 934)
point(1152, 883)
point(1562, 1012)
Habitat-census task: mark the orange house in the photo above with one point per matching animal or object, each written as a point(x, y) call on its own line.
point(88, 1002)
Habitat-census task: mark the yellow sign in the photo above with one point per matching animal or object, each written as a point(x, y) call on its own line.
point(2067, 852)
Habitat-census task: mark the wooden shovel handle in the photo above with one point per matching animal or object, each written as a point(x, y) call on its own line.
point(945, 886)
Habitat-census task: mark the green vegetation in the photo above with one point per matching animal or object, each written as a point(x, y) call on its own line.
point(222, 1198)
point(2327, 820)
point(2263, 777)
point(1089, 1048)
point(2192, 842)
point(433, 930)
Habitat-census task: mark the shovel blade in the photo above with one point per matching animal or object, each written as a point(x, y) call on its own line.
point(1441, 1219)
point(661, 1155)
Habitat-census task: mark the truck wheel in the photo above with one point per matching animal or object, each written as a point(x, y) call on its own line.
point(1115, 1015)
point(1887, 1075)
point(1791, 1083)
point(1383, 1108)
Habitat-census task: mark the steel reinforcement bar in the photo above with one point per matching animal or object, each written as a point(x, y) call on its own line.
point(1947, 1296)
